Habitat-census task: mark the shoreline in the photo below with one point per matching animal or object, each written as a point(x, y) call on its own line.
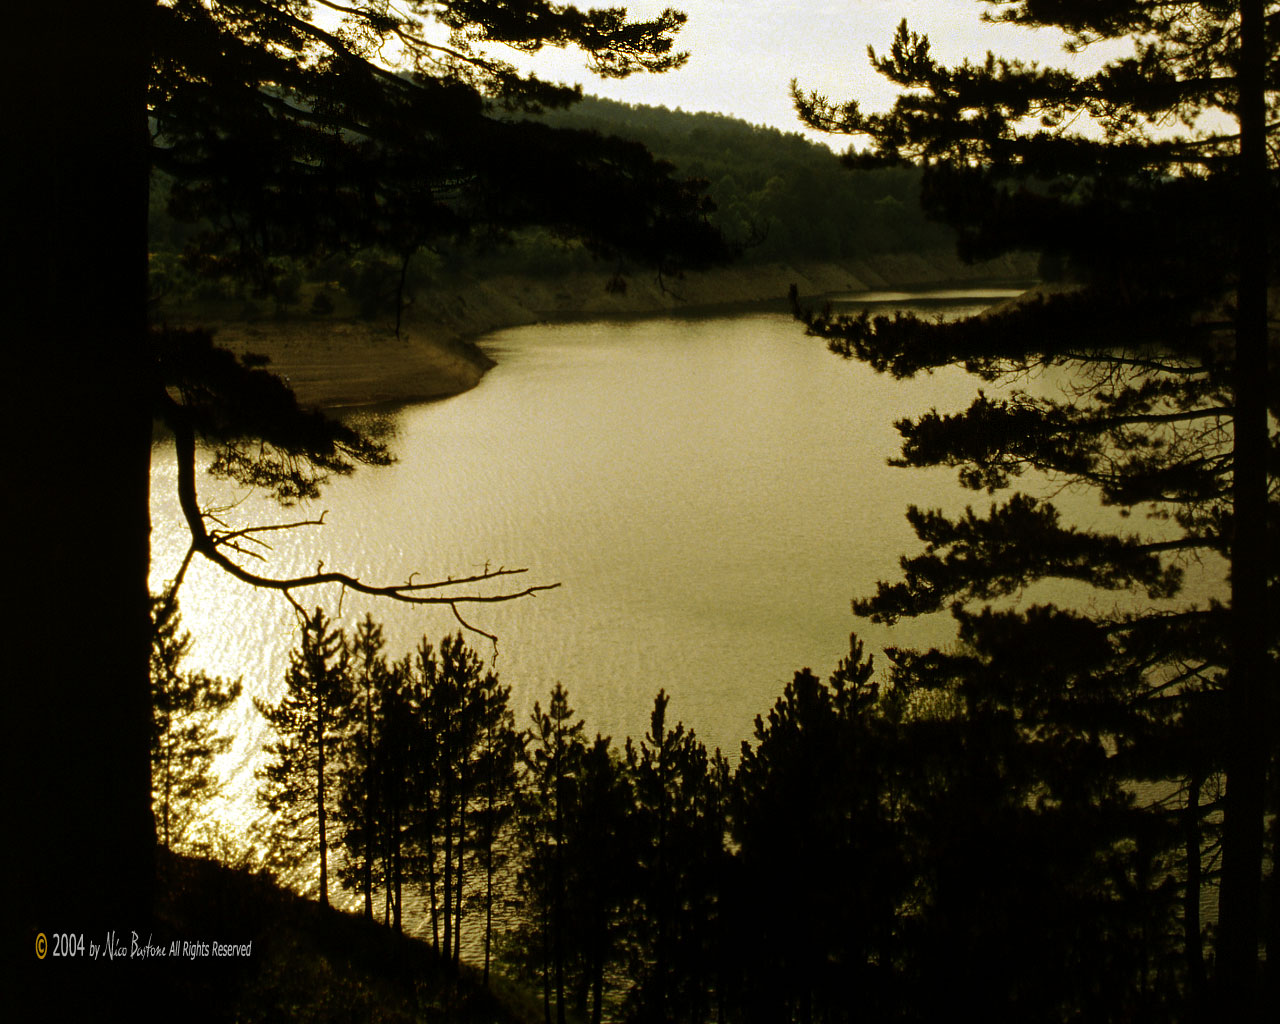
point(345, 364)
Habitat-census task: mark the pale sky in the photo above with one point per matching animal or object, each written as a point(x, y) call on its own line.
point(744, 53)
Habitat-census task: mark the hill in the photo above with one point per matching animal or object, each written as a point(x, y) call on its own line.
point(789, 198)
point(227, 944)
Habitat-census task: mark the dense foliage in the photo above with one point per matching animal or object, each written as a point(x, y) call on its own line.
point(783, 196)
point(1145, 379)
point(285, 137)
point(888, 843)
point(778, 197)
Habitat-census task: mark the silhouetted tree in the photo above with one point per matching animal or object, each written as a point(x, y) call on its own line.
point(680, 807)
point(1018, 821)
point(600, 854)
point(457, 715)
point(401, 747)
point(427, 765)
point(1163, 344)
point(301, 773)
point(818, 787)
point(287, 138)
point(361, 785)
point(185, 740)
point(552, 756)
point(497, 759)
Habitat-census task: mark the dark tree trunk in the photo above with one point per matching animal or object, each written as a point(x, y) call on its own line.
point(431, 881)
point(370, 841)
point(1247, 743)
point(558, 922)
point(1191, 896)
point(397, 873)
point(447, 835)
point(488, 889)
point(546, 947)
point(320, 808)
point(76, 254)
point(457, 916)
point(597, 955)
point(77, 558)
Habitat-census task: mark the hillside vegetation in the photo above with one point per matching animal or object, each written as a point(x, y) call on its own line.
point(780, 197)
point(784, 197)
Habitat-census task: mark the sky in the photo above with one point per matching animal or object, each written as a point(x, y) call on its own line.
point(744, 53)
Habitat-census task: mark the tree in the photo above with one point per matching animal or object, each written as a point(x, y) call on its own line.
point(399, 751)
point(1017, 817)
point(601, 840)
point(426, 767)
point(814, 813)
point(223, 93)
point(364, 751)
point(300, 777)
point(680, 830)
point(456, 699)
point(553, 752)
point(496, 777)
point(185, 741)
point(1160, 212)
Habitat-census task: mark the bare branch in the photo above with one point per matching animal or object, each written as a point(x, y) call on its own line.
point(408, 592)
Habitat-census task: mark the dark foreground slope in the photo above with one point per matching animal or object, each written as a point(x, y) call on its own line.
point(282, 957)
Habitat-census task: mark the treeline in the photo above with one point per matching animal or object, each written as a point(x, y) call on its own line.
point(778, 196)
point(789, 198)
point(889, 844)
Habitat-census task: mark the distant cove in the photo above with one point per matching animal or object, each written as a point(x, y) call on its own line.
point(339, 360)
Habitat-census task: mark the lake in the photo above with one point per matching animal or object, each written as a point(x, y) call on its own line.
point(709, 492)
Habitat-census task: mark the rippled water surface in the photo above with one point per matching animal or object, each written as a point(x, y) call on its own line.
point(709, 493)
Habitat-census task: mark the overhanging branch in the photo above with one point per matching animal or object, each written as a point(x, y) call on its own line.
point(408, 592)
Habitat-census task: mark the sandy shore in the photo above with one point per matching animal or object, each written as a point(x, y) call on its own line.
point(340, 363)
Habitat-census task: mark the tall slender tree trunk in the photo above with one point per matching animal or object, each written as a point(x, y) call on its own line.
point(458, 880)
point(546, 944)
point(398, 872)
point(370, 789)
point(1191, 896)
point(1248, 739)
point(558, 922)
point(447, 835)
point(597, 957)
point(488, 887)
point(81, 826)
point(320, 809)
point(431, 882)
point(167, 789)
point(1272, 980)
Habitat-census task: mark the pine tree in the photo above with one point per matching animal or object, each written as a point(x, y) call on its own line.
point(399, 753)
point(818, 787)
point(363, 751)
point(680, 828)
point(299, 778)
point(457, 697)
point(287, 137)
point(553, 752)
point(185, 740)
point(600, 842)
point(496, 776)
point(1161, 336)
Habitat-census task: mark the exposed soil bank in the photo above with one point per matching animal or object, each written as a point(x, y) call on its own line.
point(336, 363)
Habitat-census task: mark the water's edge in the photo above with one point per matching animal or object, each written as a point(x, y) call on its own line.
point(440, 351)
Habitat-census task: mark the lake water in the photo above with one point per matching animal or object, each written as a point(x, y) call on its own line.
point(709, 492)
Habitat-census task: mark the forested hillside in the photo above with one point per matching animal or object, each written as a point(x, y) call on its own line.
point(794, 197)
point(779, 198)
